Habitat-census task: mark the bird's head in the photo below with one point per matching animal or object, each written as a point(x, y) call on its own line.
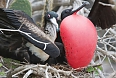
point(68, 12)
point(65, 13)
point(51, 17)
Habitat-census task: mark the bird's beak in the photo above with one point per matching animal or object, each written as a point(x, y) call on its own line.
point(54, 22)
point(83, 5)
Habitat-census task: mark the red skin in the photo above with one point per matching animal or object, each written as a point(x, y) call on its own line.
point(79, 37)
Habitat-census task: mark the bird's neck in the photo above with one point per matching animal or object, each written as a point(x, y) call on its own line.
point(50, 31)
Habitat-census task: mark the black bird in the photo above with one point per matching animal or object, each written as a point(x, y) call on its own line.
point(102, 14)
point(23, 40)
point(52, 31)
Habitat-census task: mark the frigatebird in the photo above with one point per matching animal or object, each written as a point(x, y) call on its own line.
point(102, 14)
point(23, 40)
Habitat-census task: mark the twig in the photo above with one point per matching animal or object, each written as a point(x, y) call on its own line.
point(19, 72)
point(106, 53)
point(28, 73)
point(99, 71)
point(7, 4)
point(46, 72)
point(17, 64)
point(112, 75)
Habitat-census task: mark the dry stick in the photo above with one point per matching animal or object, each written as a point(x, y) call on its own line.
point(97, 54)
point(27, 68)
point(73, 76)
point(54, 69)
point(40, 4)
point(28, 73)
point(46, 72)
point(39, 71)
point(49, 5)
point(7, 3)
point(16, 64)
point(108, 44)
point(112, 75)
point(43, 14)
point(111, 64)
point(109, 55)
point(112, 53)
point(106, 53)
point(43, 68)
point(57, 75)
point(113, 32)
point(99, 71)
point(96, 65)
point(5, 67)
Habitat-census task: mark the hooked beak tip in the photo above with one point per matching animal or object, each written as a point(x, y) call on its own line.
point(84, 4)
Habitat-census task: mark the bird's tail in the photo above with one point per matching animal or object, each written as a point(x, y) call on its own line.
point(103, 13)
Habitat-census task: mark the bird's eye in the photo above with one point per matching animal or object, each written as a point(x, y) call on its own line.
point(48, 16)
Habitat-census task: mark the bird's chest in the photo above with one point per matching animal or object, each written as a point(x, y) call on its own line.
point(50, 31)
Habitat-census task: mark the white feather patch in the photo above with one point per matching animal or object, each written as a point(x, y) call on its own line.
point(37, 52)
point(51, 32)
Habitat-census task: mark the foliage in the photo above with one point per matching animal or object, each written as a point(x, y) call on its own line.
point(2, 73)
point(91, 69)
point(23, 5)
point(8, 63)
point(0, 64)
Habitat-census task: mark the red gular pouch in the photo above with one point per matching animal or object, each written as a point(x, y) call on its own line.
point(79, 37)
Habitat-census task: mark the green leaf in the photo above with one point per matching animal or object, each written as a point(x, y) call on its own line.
point(23, 5)
point(7, 62)
point(1, 65)
point(2, 73)
point(90, 69)
point(98, 67)
point(93, 69)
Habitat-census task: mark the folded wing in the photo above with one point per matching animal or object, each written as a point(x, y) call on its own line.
point(24, 24)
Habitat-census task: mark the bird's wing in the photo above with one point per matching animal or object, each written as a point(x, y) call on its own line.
point(25, 25)
point(103, 14)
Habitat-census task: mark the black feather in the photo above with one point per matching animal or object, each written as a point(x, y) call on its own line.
point(18, 20)
point(102, 16)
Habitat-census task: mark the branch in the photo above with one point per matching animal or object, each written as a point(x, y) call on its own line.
point(106, 53)
point(99, 71)
point(112, 75)
point(28, 73)
point(40, 4)
point(43, 70)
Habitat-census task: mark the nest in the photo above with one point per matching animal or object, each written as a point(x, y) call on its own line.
point(46, 71)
